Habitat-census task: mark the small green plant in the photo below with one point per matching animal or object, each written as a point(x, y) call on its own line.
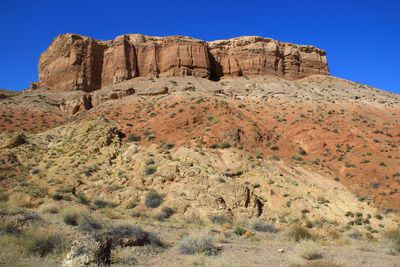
point(239, 230)
point(81, 198)
point(302, 151)
point(224, 144)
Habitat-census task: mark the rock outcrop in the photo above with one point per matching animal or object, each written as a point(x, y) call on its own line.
point(253, 55)
point(75, 62)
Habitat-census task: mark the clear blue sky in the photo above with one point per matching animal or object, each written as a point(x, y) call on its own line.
point(362, 38)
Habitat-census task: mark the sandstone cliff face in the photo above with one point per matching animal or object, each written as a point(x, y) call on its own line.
point(74, 62)
point(252, 55)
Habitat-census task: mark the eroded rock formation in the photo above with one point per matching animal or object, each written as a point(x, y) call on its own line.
point(75, 62)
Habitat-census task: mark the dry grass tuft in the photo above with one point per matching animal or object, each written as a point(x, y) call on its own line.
point(196, 244)
point(298, 233)
point(262, 226)
point(390, 240)
point(49, 208)
point(308, 250)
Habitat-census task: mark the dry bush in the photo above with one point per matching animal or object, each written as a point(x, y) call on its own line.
point(194, 219)
point(165, 213)
point(220, 219)
point(122, 236)
point(101, 204)
point(124, 256)
point(308, 250)
point(153, 200)
point(49, 208)
point(324, 263)
point(32, 241)
point(390, 240)
point(298, 233)
point(262, 226)
point(3, 197)
point(89, 224)
point(70, 217)
point(43, 243)
point(196, 244)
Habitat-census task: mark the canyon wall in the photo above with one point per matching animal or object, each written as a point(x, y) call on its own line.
point(75, 62)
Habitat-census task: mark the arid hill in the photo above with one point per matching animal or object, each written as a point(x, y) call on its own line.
point(178, 144)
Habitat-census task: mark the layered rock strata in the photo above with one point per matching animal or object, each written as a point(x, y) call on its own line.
point(75, 62)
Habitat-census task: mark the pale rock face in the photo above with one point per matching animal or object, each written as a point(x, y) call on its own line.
point(74, 62)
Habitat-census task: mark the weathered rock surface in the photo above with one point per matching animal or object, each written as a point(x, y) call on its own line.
point(74, 62)
point(253, 55)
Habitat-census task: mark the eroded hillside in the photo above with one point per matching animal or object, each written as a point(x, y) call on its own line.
point(182, 155)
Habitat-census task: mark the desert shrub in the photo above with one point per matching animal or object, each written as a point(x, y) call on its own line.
point(150, 170)
point(194, 219)
point(122, 236)
point(224, 144)
point(220, 219)
point(3, 197)
point(275, 157)
point(196, 244)
point(81, 198)
point(297, 157)
point(355, 234)
point(49, 208)
point(42, 244)
point(100, 204)
point(89, 224)
point(71, 218)
point(165, 213)
point(298, 233)
point(56, 196)
point(239, 230)
point(262, 226)
point(302, 151)
point(153, 200)
point(308, 250)
point(149, 162)
point(131, 204)
point(167, 146)
point(323, 263)
point(137, 214)
point(391, 241)
point(133, 137)
point(9, 228)
point(349, 214)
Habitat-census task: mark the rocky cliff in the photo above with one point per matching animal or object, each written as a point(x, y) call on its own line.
point(75, 62)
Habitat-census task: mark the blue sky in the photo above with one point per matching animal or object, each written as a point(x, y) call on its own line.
point(362, 38)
